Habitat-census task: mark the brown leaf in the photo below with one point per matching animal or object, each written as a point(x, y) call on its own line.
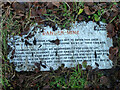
point(114, 13)
point(114, 8)
point(39, 20)
point(57, 41)
point(113, 51)
point(47, 79)
point(90, 3)
point(87, 10)
point(89, 68)
point(37, 70)
point(54, 12)
point(103, 80)
point(56, 4)
point(20, 14)
point(21, 78)
point(38, 65)
point(103, 4)
point(46, 87)
point(18, 7)
point(117, 24)
point(107, 14)
point(81, 17)
point(33, 13)
point(110, 30)
point(49, 5)
point(13, 52)
point(41, 11)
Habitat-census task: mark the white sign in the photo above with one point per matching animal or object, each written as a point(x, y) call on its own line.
point(50, 49)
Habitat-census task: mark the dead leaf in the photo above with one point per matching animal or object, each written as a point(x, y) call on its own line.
point(104, 80)
point(49, 5)
point(56, 4)
point(117, 24)
point(54, 12)
point(41, 11)
point(110, 30)
point(87, 10)
point(33, 13)
point(46, 87)
point(13, 52)
point(90, 3)
point(89, 68)
point(81, 17)
point(37, 70)
point(114, 11)
point(107, 14)
point(113, 51)
point(47, 79)
point(113, 14)
point(103, 4)
point(21, 78)
point(38, 66)
point(114, 8)
point(18, 7)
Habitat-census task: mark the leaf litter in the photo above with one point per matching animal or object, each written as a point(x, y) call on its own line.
point(49, 14)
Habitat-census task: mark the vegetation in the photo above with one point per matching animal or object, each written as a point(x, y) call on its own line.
point(18, 17)
point(76, 79)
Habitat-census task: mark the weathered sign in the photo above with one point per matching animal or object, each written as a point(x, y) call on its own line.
point(44, 49)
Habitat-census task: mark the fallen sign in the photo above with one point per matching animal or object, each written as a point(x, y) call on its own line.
point(44, 49)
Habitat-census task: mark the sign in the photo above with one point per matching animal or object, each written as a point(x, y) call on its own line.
point(44, 48)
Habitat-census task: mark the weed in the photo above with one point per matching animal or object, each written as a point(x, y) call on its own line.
point(97, 16)
point(84, 63)
point(76, 79)
point(112, 19)
point(7, 24)
point(3, 79)
point(69, 14)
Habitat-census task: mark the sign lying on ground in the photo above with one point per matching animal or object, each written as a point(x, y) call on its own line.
point(44, 49)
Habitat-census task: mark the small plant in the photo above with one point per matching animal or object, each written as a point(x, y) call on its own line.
point(7, 24)
point(68, 13)
point(76, 79)
point(97, 16)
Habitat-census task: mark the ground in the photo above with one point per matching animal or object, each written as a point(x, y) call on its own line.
point(18, 17)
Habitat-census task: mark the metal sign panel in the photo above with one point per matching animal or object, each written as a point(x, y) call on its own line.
point(49, 49)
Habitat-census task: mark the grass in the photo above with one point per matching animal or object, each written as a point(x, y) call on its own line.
point(10, 26)
point(70, 14)
point(5, 66)
point(76, 79)
point(7, 25)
